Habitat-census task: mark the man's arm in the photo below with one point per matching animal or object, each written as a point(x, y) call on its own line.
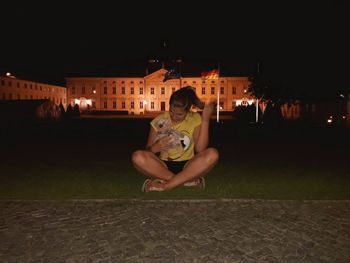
point(162, 144)
point(201, 133)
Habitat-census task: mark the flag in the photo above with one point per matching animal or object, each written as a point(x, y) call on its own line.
point(171, 74)
point(210, 75)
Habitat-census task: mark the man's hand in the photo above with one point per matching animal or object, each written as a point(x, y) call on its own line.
point(208, 110)
point(163, 144)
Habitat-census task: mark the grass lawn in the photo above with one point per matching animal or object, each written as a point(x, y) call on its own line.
point(90, 159)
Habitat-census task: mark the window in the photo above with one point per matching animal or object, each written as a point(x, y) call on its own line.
point(104, 90)
point(212, 90)
point(141, 104)
point(162, 90)
point(123, 90)
point(132, 90)
point(173, 89)
point(141, 90)
point(233, 90)
point(114, 90)
point(132, 105)
point(114, 104)
point(123, 104)
point(203, 90)
point(222, 90)
point(105, 104)
point(152, 90)
point(152, 105)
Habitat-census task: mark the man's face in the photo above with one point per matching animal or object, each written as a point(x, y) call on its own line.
point(177, 114)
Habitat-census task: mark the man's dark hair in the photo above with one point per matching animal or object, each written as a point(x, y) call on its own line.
point(184, 98)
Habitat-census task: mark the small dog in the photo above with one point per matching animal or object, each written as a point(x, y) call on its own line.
point(164, 130)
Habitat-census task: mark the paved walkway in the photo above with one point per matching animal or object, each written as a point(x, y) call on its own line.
point(175, 231)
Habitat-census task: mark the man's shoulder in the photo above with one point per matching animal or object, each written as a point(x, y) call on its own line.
point(194, 115)
point(161, 116)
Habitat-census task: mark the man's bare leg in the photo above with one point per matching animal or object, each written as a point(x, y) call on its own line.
point(198, 166)
point(150, 165)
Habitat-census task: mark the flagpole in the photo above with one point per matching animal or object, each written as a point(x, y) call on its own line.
point(218, 99)
point(218, 108)
point(257, 111)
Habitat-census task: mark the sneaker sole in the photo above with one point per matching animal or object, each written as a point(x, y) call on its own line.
point(144, 185)
point(202, 184)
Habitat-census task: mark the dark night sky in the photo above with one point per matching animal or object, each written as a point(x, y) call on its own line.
point(299, 43)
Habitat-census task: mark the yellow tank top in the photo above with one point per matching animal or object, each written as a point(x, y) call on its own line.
point(183, 147)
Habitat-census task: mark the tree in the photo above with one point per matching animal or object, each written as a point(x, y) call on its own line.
point(76, 110)
point(69, 112)
point(273, 94)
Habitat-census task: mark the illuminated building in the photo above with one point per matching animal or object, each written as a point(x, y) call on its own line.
point(12, 88)
point(140, 95)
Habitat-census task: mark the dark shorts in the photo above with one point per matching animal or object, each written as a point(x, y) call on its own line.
point(175, 167)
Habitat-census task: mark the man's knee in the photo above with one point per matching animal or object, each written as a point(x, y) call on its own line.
point(212, 155)
point(139, 157)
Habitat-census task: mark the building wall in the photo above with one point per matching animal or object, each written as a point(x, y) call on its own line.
point(151, 94)
point(12, 88)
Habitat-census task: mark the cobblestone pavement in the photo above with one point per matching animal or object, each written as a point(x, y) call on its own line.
point(175, 231)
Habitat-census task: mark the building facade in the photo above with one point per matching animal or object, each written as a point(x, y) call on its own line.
point(12, 88)
point(140, 95)
point(134, 95)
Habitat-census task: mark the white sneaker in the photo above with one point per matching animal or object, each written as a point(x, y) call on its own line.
point(198, 182)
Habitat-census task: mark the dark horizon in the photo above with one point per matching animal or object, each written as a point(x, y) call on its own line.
point(300, 45)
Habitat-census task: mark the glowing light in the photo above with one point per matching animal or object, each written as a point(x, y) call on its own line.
point(144, 102)
point(244, 102)
point(8, 74)
point(330, 119)
point(94, 91)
